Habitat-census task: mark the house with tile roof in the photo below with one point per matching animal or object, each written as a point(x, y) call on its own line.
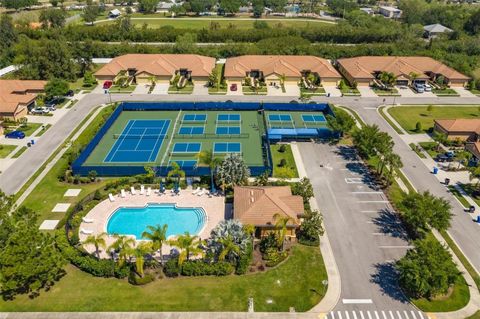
point(257, 205)
point(271, 68)
point(364, 70)
point(459, 129)
point(142, 68)
point(17, 97)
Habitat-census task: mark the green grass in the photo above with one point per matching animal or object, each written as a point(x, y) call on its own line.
point(476, 92)
point(381, 110)
point(457, 300)
point(295, 283)
point(290, 169)
point(476, 315)
point(19, 152)
point(248, 90)
point(118, 89)
point(5, 150)
point(445, 92)
point(317, 91)
point(459, 196)
point(430, 148)
point(471, 191)
point(349, 91)
point(187, 89)
point(408, 116)
point(416, 150)
point(46, 127)
point(222, 89)
point(29, 128)
point(219, 91)
point(388, 92)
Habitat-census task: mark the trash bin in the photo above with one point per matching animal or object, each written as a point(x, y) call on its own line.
point(328, 94)
point(28, 144)
point(33, 142)
point(447, 181)
point(478, 219)
point(471, 209)
point(435, 170)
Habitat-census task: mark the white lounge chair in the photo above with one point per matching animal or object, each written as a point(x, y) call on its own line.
point(86, 231)
point(110, 196)
point(142, 189)
point(87, 220)
point(133, 191)
point(201, 193)
point(149, 191)
point(122, 193)
point(195, 192)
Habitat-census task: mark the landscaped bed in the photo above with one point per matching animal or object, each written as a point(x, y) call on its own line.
point(249, 90)
point(408, 116)
point(445, 92)
point(119, 89)
point(431, 148)
point(187, 89)
point(316, 91)
point(386, 92)
point(283, 161)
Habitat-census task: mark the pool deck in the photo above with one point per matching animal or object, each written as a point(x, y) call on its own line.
point(213, 206)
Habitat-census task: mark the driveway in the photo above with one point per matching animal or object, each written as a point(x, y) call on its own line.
point(463, 92)
point(161, 88)
point(405, 91)
point(239, 90)
point(364, 231)
point(366, 91)
point(292, 90)
point(333, 91)
point(141, 89)
point(200, 89)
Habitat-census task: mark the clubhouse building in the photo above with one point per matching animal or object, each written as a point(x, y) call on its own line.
point(271, 69)
point(364, 70)
point(143, 68)
point(17, 97)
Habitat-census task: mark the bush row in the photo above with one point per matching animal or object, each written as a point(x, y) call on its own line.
point(197, 268)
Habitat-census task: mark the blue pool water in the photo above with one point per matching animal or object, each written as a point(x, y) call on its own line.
point(134, 220)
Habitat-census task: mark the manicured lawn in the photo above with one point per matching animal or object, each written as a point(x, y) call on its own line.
point(29, 128)
point(476, 92)
point(393, 125)
point(295, 283)
point(476, 315)
point(349, 91)
point(472, 191)
point(457, 300)
point(389, 92)
point(222, 89)
point(248, 90)
point(290, 168)
point(46, 127)
point(5, 150)
point(316, 91)
point(187, 89)
point(19, 152)
point(445, 92)
point(408, 116)
point(430, 148)
point(459, 196)
point(119, 89)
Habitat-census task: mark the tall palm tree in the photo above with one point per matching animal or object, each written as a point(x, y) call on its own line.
point(281, 226)
point(208, 159)
point(176, 172)
point(124, 245)
point(229, 248)
point(144, 248)
point(158, 235)
point(97, 241)
point(187, 244)
point(394, 162)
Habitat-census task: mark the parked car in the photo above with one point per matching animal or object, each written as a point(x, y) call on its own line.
point(40, 111)
point(15, 134)
point(52, 103)
point(107, 85)
point(233, 87)
point(442, 158)
point(420, 88)
point(70, 93)
point(427, 87)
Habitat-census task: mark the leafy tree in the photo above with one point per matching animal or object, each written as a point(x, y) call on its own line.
point(90, 14)
point(312, 226)
point(367, 140)
point(233, 171)
point(258, 8)
point(18, 4)
point(147, 6)
point(472, 25)
point(303, 188)
point(88, 79)
point(420, 211)
point(188, 245)
point(8, 35)
point(388, 78)
point(276, 5)
point(124, 25)
point(186, 43)
point(54, 3)
point(342, 7)
point(53, 18)
point(230, 6)
point(427, 270)
point(158, 235)
point(227, 232)
point(393, 162)
point(341, 123)
point(97, 241)
point(142, 249)
point(29, 260)
point(56, 87)
point(123, 245)
point(199, 6)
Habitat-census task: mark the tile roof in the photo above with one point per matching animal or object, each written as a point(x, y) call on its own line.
point(365, 66)
point(288, 65)
point(15, 92)
point(258, 205)
point(459, 125)
point(159, 64)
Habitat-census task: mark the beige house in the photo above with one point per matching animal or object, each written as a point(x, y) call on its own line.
point(258, 205)
point(364, 70)
point(17, 97)
point(271, 69)
point(143, 68)
point(459, 129)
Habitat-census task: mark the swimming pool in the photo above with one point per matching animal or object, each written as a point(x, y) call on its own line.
point(134, 220)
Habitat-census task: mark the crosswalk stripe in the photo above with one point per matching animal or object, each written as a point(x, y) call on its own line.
point(376, 315)
point(361, 315)
point(406, 314)
point(333, 315)
point(413, 314)
point(339, 315)
point(347, 315)
point(383, 314)
point(420, 314)
point(399, 315)
point(369, 315)
point(391, 314)
point(354, 315)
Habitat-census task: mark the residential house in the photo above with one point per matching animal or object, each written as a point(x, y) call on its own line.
point(434, 30)
point(115, 13)
point(459, 129)
point(272, 68)
point(364, 70)
point(143, 68)
point(17, 97)
point(390, 12)
point(257, 206)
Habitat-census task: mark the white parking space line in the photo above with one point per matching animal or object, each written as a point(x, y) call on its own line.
point(376, 315)
point(379, 234)
point(369, 211)
point(399, 315)
point(391, 314)
point(361, 315)
point(420, 314)
point(405, 313)
point(353, 180)
point(373, 201)
point(357, 301)
point(354, 315)
point(383, 314)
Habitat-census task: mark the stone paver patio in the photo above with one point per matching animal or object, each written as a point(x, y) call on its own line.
point(49, 224)
point(61, 208)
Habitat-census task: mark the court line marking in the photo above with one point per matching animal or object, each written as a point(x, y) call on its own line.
point(156, 142)
point(114, 147)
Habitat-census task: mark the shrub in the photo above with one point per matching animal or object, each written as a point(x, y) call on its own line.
point(282, 148)
point(418, 127)
point(135, 279)
point(244, 260)
point(201, 268)
point(171, 268)
point(283, 162)
point(273, 257)
point(269, 241)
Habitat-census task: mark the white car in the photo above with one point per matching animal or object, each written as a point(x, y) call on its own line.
point(420, 88)
point(427, 87)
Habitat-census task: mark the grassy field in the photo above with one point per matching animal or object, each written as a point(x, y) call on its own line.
point(29, 128)
point(290, 168)
point(430, 148)
point(5, 150)
point(408, 116)
point(295, 283)
point(456, 300)
point(393, 125)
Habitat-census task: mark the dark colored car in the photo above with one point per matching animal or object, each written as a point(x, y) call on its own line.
point(15, 134)
point(443, 158)
point(107, 85)
point(233, 87)
point(70, 93)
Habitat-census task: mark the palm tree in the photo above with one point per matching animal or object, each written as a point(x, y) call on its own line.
point(187, 244)
point(207, 158)
point(144, 248)
point(176, 171)
point(158, 235)
point(124, 245)
point(394, 162)
point(281, 226)
point(229, 248)
point(97, 241)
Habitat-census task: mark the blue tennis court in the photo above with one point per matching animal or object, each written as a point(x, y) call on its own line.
point(187, 147)
point(225, 130)
point(139, 142)
point(185, 164)
point(279, 118)
point(191, 130)
point(227, 147)
point(195, 118)
point(317, 118)
point(228, 118)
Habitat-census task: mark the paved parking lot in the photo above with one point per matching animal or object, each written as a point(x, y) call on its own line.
point(364, 231)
